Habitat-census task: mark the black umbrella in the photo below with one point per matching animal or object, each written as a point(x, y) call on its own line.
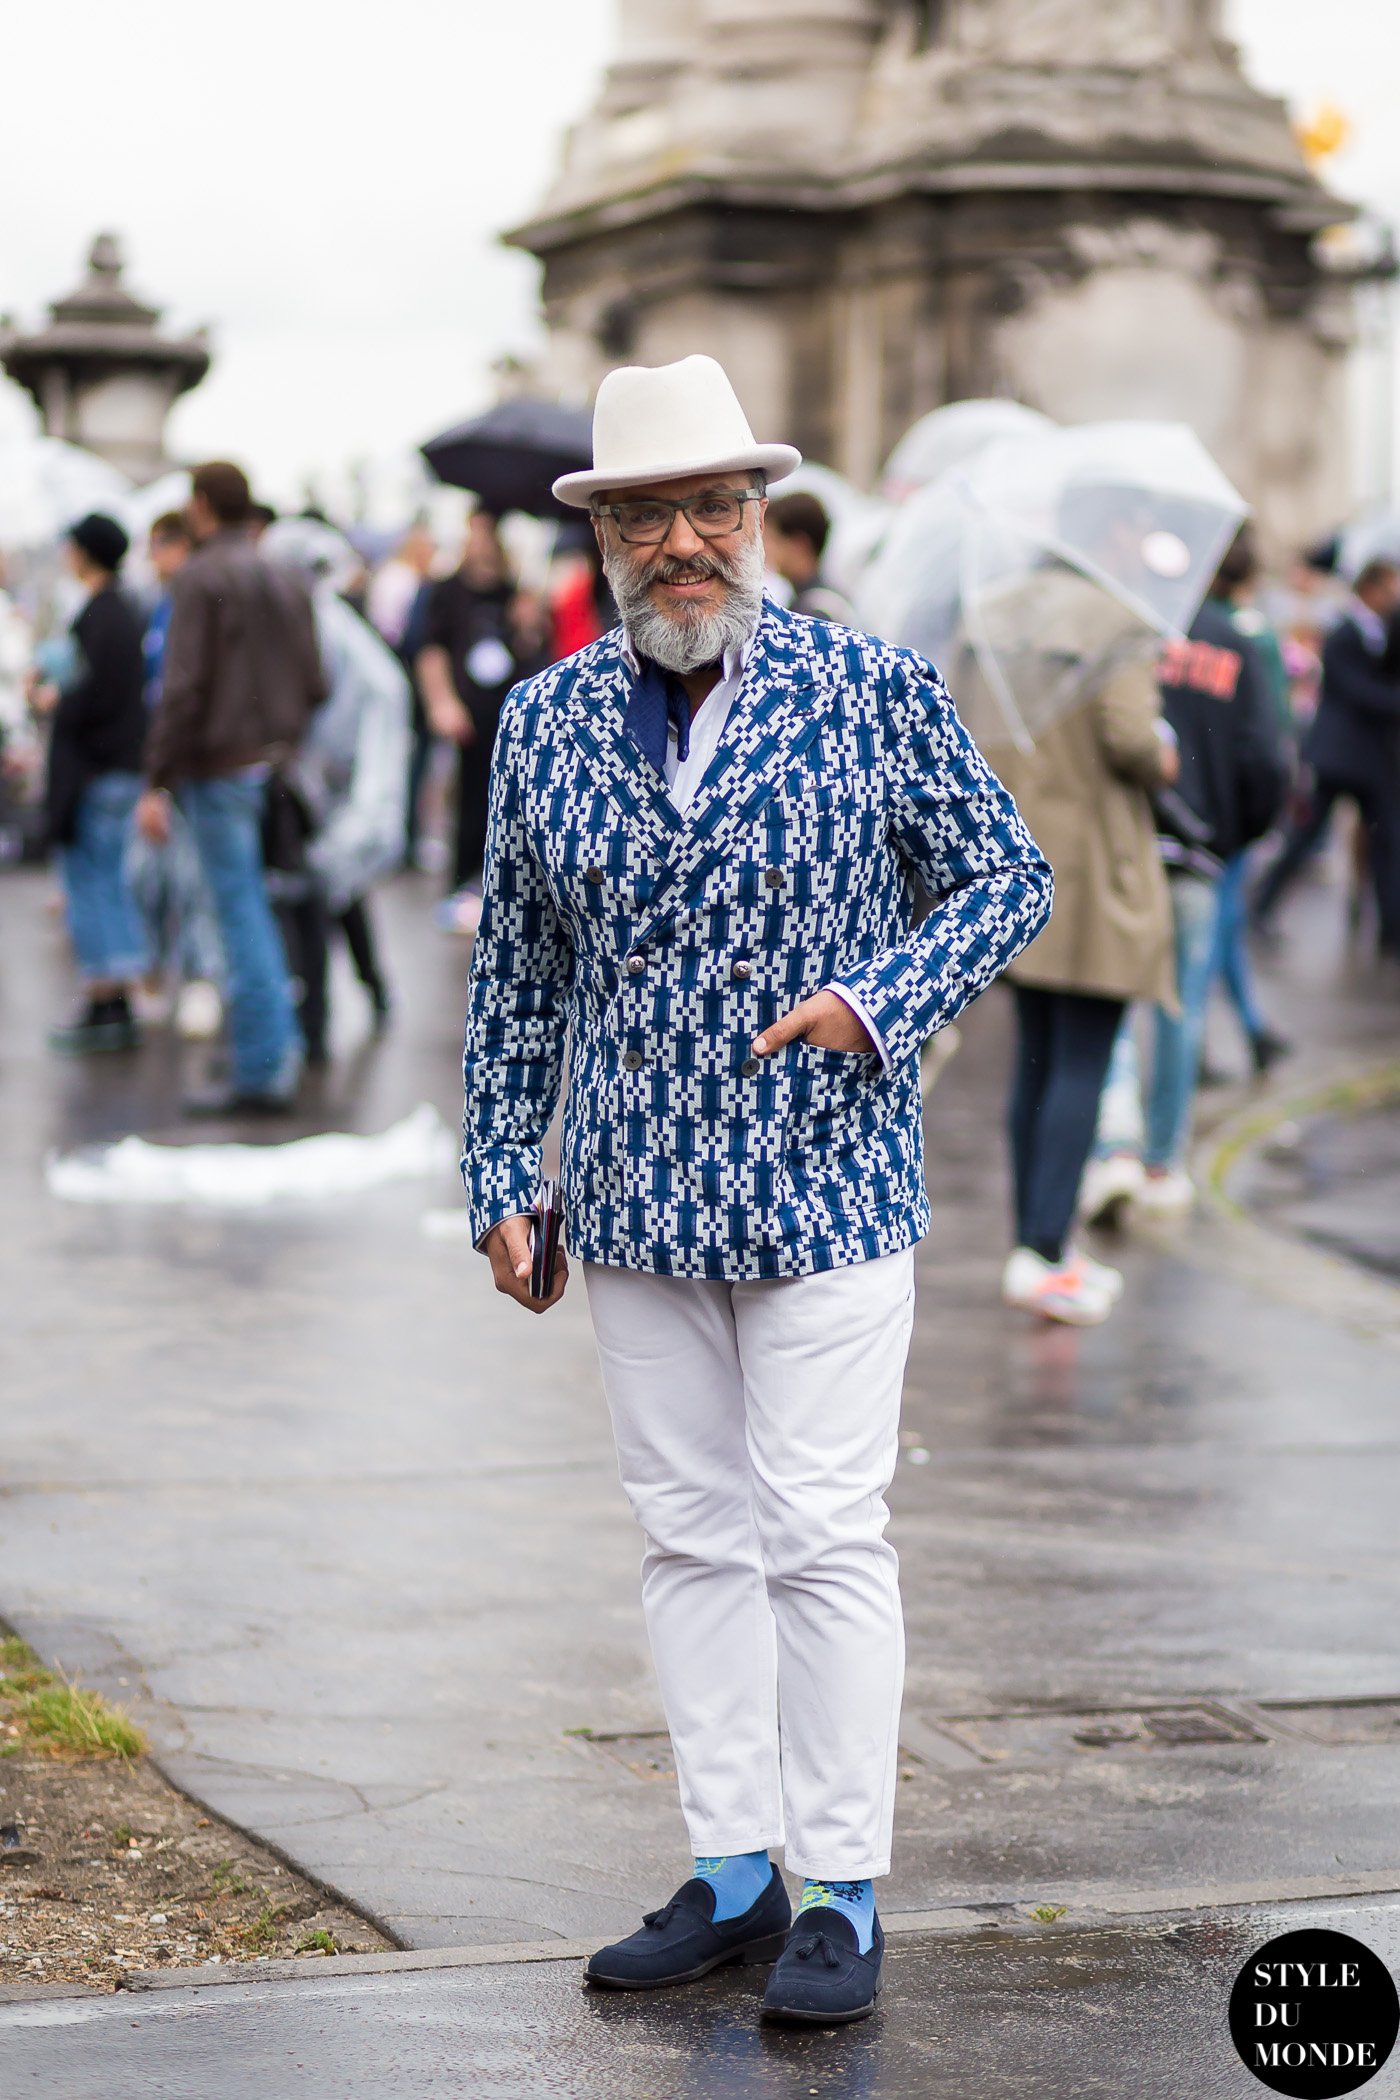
point(510, 456)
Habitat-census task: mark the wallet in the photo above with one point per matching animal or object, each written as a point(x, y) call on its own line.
point(547, 1225)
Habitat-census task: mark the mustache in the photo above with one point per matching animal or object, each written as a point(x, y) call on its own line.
point(668, 568)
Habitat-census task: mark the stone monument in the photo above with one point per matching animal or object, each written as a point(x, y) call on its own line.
point(871, 207)
point(103, 375)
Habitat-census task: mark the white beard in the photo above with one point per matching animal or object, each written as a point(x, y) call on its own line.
point(686, 641)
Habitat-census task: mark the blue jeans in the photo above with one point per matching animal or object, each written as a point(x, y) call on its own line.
point(108, 937)
point(225, 820)
point(1229, 955)
point(1176, 1047)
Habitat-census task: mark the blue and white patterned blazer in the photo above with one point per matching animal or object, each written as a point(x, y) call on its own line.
point(662, 943)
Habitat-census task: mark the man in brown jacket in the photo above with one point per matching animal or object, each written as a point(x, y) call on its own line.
point(242, 674)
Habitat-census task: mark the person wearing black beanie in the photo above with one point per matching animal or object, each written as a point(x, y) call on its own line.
point(101, 539)
point(94, 779)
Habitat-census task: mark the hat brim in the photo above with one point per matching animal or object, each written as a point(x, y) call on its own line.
point(775, 461)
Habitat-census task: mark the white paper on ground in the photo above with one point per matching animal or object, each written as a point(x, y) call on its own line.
point(243, 1177)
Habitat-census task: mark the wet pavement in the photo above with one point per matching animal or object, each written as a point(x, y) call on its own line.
point(1127, 2012)
point(1334, 1179)
point(344, 1530)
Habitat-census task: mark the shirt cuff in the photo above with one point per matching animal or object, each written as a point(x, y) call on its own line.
point(862, 1014)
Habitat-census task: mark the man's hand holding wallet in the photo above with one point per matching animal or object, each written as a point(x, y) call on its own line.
point(527, 1254)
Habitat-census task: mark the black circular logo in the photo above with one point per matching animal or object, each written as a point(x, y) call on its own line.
point(1314, 2014)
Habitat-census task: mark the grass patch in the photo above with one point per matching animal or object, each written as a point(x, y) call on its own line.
point(227, 1881)
point(42, 1710)
point(261, 1934)
point(318, 1942)
point(1046, 1913)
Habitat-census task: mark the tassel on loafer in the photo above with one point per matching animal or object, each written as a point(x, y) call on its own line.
point(821, 1978)
point(681, 1941)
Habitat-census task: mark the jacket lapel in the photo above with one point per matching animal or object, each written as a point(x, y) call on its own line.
point(593, 705)
point(776, 713)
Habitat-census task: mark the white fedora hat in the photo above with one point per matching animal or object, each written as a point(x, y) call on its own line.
point(655, 423)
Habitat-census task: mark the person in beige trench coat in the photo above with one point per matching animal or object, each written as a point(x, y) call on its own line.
point(1084, 792)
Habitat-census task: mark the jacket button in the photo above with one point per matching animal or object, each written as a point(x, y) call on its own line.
point(635, 965)
point(749, 1067)
point(774, 877)
point(741, 968)
point(632, 1060)
point(594, 874)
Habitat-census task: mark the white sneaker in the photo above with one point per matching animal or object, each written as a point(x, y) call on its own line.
point(1109, 1281)
point(199, 1011)
point(1108, 1187)
point(1168, 1195)
point(1066, 1293)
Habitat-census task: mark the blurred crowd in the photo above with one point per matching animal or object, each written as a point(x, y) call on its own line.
point(240, 727)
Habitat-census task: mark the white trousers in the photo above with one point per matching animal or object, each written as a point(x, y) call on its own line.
point(757, 1430)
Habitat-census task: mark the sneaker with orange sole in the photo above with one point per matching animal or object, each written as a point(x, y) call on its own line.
point(1066, 1291)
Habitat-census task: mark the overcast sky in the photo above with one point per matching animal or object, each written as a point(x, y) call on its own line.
point(321, 181)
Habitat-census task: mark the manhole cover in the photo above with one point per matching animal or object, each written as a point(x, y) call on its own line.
point(1035, 1736)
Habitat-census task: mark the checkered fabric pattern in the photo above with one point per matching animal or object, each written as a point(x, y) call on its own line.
point(658, 945)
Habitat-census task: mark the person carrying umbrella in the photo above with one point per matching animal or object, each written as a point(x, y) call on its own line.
point(1045, 569)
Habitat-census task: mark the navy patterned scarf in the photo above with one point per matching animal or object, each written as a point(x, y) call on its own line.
point(657, 699)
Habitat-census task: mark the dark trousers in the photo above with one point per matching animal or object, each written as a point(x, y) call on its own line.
point(1379, 804)
point(1065, 1040)
point(473, 789)
point(305, 926)
point(420, 754)
point(358, 928)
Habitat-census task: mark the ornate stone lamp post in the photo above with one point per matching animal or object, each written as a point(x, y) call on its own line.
point(103, 375)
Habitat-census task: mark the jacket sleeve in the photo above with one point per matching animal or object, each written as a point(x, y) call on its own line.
point(1126, 707)
point(517, 1006)
point(959, 829)
point(185, 677)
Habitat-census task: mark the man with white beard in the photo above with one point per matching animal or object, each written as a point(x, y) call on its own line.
point(704, 834)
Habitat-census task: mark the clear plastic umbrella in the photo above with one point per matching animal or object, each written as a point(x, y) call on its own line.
point(948, 438)
point(47, 485)
point(1049, 556)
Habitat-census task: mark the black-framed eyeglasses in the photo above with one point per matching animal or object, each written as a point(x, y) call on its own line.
point(646, 521)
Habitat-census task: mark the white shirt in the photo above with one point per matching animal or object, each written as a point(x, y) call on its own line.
point(683, 776)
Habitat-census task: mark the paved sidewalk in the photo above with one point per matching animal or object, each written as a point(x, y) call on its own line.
point(1129, 2012)
point(344, 1530)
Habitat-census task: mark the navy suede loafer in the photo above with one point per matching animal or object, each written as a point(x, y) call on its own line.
point(681, 1940)
point(821, 1978)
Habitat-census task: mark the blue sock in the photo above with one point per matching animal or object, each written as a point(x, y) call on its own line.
point(854, 1899)
point(738, 1881)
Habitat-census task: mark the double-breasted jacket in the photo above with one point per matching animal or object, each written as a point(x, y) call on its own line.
point(653, 946)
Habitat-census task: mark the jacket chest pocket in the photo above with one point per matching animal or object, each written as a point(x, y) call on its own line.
point(827, 825)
